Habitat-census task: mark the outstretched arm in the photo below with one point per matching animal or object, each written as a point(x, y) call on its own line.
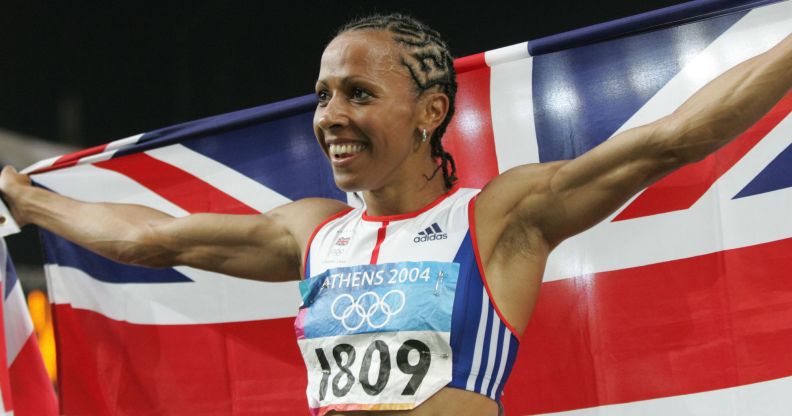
point(560, 199)
point(261, 247)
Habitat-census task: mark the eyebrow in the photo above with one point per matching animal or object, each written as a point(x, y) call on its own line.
point(347, 80)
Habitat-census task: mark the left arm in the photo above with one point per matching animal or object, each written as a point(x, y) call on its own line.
point(557, 200)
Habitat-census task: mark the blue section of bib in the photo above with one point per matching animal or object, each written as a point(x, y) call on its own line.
point(405, 296)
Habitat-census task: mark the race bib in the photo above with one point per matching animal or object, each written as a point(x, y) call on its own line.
point(377, 337)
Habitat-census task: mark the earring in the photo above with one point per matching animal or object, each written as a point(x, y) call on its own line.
point(423, 136)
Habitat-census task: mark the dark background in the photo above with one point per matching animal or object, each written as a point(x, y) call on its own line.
point(86, 73)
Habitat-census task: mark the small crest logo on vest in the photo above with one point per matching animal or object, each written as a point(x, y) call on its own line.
point(431, 233)
point(341, 243)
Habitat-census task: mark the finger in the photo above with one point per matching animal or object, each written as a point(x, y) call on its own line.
point(8, 169)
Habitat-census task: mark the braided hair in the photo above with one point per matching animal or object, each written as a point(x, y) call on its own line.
point(429, 64)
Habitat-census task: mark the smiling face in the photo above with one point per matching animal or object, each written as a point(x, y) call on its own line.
point(369, 113)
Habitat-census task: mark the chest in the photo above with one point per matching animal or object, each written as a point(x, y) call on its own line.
point(351, 241)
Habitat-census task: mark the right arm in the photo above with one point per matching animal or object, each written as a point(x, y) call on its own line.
point(261, 247)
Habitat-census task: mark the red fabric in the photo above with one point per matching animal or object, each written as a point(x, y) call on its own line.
point(119, 368)
point(679, 327)
point(32, 391)
point(470, 138)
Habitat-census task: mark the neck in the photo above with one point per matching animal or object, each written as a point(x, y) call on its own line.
point(404, 197)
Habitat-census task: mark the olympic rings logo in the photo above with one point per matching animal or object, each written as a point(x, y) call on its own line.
point(368, 308)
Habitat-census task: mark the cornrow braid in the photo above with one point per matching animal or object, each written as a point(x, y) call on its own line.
point(430, 65)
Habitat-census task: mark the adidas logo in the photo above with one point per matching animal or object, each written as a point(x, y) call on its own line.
point(431, 233)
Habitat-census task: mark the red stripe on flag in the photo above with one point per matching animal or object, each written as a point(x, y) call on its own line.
point(685, 326)
point(30, 386)
point(110, 367)
point(469, 137)
point(71, 159)
point(682, 188)
point(469, 63)
point(177, 186)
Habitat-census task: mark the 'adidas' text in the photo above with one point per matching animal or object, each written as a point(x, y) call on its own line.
point(431, 233)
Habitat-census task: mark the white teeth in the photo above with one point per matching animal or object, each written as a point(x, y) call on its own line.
point(345, 149)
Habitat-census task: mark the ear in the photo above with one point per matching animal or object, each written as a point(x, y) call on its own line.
point(434, 107)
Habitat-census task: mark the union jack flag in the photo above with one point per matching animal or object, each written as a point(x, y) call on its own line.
point(679, 303)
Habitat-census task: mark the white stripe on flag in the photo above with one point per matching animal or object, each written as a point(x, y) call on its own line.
point(117, 144)
point(16, 318)
point(212, 298)
point(769, 398)
point(222, 177)
point(506, 54)
point(40, 165)
point(18, 325)
point(511, 104)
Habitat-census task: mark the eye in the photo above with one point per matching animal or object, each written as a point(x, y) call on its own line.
point(359, 94)
point(323, 97)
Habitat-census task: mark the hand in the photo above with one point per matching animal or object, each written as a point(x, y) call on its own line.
point(11, 184)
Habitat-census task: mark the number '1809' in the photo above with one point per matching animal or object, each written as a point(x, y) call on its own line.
point(344, 356)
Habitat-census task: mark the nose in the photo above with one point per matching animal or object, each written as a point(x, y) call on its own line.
point(333, 114)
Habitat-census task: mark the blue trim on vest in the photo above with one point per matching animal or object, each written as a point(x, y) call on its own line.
point(470, 294)
point(463, 334)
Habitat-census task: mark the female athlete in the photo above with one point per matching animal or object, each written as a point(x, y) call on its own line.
point(413, 304)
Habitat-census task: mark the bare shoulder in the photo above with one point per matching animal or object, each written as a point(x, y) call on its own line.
point(512, 186)
point(521, 194)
